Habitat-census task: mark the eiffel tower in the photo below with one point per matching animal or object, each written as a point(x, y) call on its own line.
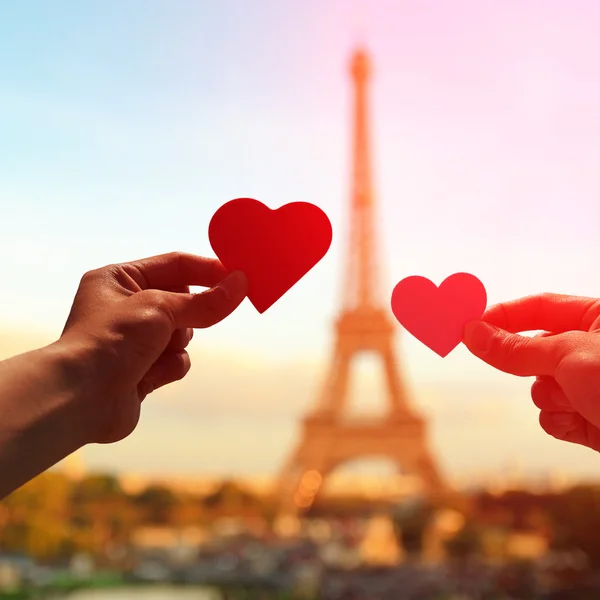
point(328, 437)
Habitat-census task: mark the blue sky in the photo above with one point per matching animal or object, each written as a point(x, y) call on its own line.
point(125, 125)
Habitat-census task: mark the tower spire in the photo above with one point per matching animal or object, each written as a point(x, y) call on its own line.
point(361, 278)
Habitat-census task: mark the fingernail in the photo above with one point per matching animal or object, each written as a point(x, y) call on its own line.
point(234, 283)
point(478, 336)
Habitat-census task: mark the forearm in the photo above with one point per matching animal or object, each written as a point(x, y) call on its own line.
point(39, 420)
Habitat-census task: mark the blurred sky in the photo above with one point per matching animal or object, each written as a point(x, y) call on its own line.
point(125, 124)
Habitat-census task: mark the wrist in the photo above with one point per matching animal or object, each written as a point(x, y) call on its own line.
point(71, 364)
point(62, 372)
point(41, 421)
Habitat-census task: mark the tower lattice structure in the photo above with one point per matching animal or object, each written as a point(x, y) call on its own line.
point(329, 438)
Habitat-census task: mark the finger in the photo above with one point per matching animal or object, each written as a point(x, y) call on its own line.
point(570, 427)
point(180, 340)
point(179, 289)
point(181, 337)
point(176, 269)
point(547, 395)
point(209, 307)
point(516, 354)
point(169, 367)
point(556, 313)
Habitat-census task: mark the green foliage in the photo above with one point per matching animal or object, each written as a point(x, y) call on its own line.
point(97, 487)
point(54, 518)
point(35, 517)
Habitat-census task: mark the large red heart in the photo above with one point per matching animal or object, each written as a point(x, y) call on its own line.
point(437, 316)
point(273, 248)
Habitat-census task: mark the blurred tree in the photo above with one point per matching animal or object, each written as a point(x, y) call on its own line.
point(230, 499)
point(36, 517)
point(188, 511)
point(411, 519)
point(101, 514)
point(97, 486)
point(156, 503)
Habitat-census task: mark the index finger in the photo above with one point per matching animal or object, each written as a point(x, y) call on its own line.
point(177, 269)
point(512, 353)
point(556, 313)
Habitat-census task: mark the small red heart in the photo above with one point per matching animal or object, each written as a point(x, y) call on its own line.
point(273, 248)
point(437, 316)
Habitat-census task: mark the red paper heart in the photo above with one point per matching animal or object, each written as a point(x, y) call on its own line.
point(273, 248)
point(437, 316)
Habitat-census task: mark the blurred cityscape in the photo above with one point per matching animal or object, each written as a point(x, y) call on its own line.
point(303, 534)
point(361, 539)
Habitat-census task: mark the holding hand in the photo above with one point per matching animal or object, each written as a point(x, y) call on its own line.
point(129, 327)
point(565, 359)
point(125, 337)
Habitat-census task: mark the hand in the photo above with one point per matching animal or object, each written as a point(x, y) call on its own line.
point(128, 330)
point(565, 358)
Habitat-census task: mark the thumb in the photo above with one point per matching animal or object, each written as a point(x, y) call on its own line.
point(211, 306)
point(512, 353)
